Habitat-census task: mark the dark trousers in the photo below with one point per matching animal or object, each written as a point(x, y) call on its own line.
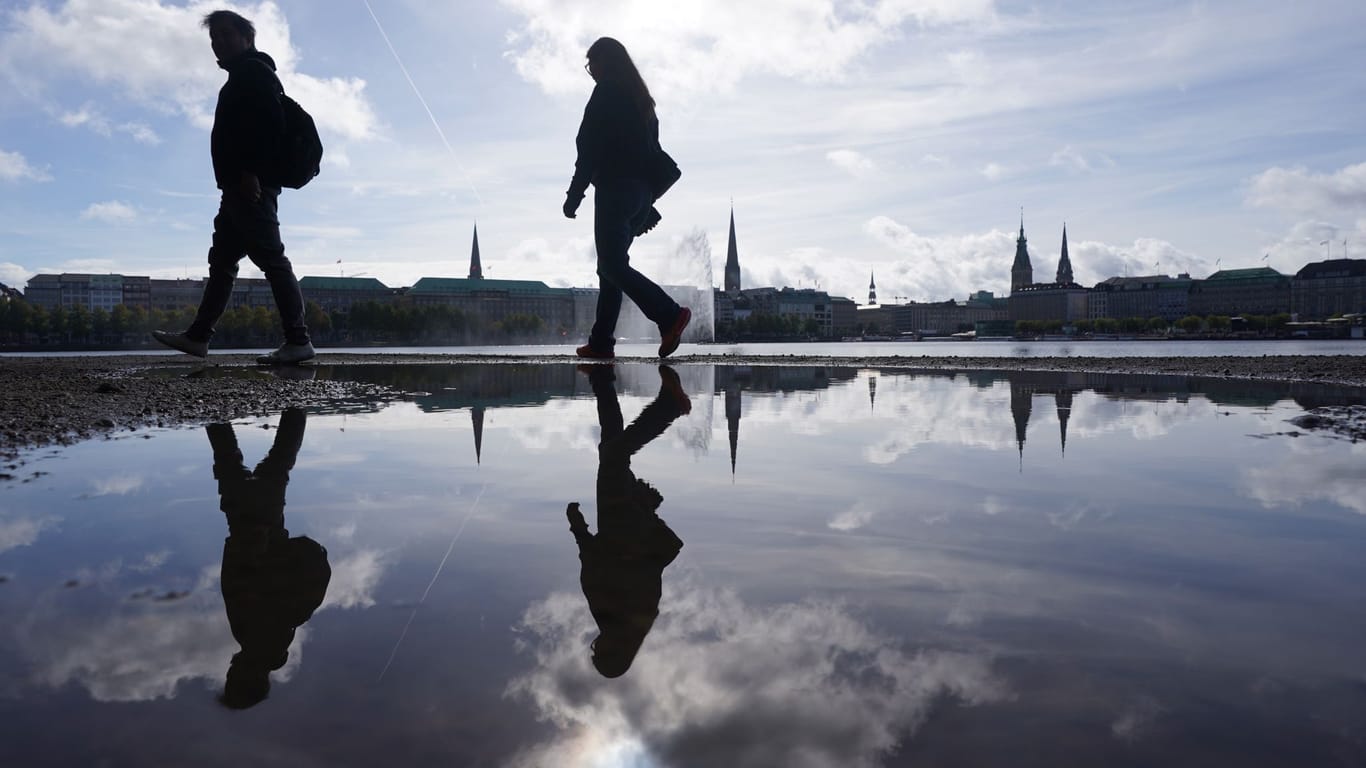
point(619, 207)
point(243, 228)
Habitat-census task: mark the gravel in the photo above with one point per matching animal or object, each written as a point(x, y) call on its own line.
point(60, 400)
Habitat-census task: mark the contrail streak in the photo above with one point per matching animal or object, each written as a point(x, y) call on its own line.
point(474, 505)
point(418, 93)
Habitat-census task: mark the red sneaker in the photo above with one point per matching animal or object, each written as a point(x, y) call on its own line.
point(669, 343)
point(588, 351)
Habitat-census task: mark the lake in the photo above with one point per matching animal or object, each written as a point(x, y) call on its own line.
point(700, 565)
point(1049, 348)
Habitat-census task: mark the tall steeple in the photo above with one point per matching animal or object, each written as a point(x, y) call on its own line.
point(1064, 263)
point(872, 290)
point(1064, 402)
point(476, 269)
point(477, 419)
point(733, 420)
point(732, 279)
point(1021, 272)
point(1021, 403)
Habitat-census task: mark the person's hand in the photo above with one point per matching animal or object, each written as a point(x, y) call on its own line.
point(249, 187)
point(571, 205)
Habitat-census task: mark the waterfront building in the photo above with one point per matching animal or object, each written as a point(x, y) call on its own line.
point(339, 294)
point(1255, 291)
point(68, 290)
point(493, 300)
point(1061, 299)
point(1329, 288)
point(843, 315)
point(1144, 296)
point(171, 295)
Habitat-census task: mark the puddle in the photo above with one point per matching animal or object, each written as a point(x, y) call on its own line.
point(773, 566)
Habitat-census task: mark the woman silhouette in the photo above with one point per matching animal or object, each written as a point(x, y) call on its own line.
point(617, 139)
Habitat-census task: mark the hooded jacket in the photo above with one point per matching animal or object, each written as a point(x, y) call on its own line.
point(615, 140)
point(248, 121)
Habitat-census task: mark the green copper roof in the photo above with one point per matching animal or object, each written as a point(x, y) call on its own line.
point(465, 285)
point(341, 284)
point(1244, 274)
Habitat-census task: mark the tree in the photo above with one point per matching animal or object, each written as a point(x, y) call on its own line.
point(1107, 325)
point(1218, 322)
point(1084, 326)
point(1158, 324)
point(1133, 324)
point(1190, 323)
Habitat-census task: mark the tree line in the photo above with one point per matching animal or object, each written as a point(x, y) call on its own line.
point(31, 326)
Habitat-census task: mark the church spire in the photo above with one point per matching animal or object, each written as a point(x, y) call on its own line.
point(1021, 272)
point(1064, 263)
point(476, 269)
point(732, 277)
point(872, 289)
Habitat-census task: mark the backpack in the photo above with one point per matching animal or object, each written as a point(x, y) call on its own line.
point(301, 149)
point(299, 155)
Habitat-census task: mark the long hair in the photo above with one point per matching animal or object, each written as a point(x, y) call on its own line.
point(611, 62)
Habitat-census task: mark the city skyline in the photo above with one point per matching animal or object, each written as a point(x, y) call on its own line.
point(893, 138)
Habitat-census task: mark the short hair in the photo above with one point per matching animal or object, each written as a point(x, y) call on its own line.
point(244, 26)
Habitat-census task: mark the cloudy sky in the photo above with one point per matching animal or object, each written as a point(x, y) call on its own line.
point(894, 137)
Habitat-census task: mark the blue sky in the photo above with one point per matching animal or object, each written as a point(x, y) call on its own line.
point(895, 137)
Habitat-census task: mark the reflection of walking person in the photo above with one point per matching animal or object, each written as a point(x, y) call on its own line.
point(622, 565)
point(271, 583)
point(617, 139)
point(247, 125)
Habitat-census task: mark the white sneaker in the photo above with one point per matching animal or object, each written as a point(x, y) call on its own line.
point(183, 343)
point(289, 354)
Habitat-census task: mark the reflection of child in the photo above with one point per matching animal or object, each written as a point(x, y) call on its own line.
point(622, 566)
point(271, 583)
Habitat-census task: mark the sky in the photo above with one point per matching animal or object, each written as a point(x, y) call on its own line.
point(892, 139)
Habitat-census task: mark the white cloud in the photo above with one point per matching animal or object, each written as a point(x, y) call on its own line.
point(994, 171)
point(115, 486)
point(936, 268)
point(14, 275)
point(1071, 157)
point(170, 68)
point(856, 516)
point(90, 117)
point(710, 45)
point(112, 212)
point(851, 162)
point(1301, 191)
point(22, 532)
point(719, 682)
point(353, 582)
point(14, 167)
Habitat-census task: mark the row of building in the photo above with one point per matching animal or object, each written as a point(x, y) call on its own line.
point(1318, 291)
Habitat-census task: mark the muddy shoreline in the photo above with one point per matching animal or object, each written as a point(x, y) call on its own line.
point(61, 400)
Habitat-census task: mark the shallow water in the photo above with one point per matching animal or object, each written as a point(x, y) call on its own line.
point(881, 568)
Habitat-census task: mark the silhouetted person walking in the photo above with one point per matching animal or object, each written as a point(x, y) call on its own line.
point(248, 124)
point(271, 583)
point(617, 139)
point(622, 566)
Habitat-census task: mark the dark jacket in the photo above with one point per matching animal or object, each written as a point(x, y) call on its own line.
point(615, 140)
point(248, 121)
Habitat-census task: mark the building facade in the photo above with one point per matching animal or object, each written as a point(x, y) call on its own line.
point(1256, 291)
point(1330, 288)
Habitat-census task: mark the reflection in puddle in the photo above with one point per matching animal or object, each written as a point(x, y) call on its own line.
point(882, 568)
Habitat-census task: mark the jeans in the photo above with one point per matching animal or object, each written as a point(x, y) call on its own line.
point(619, 207)
point(243, 228)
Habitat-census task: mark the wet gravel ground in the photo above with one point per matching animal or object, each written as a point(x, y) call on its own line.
point(60, 400)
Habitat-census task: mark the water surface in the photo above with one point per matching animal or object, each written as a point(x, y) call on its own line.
point(797, 567)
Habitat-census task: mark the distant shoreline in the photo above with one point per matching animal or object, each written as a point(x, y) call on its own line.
point(62, 400)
